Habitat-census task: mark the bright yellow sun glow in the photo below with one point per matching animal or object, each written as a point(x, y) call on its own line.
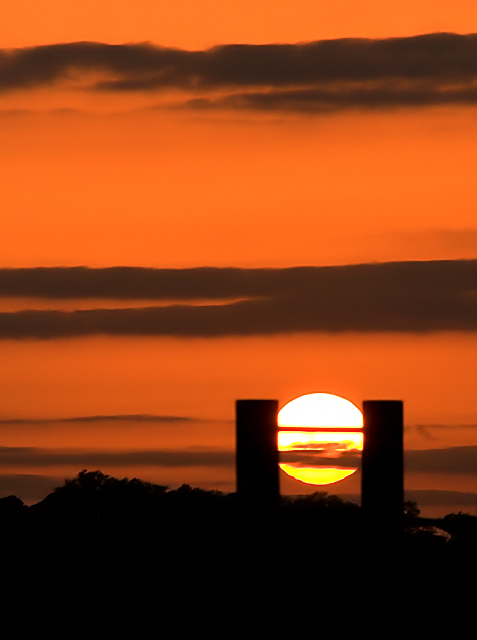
point(319, 411)
point(316, 475)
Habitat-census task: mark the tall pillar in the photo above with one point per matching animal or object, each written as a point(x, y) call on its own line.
point(382, 463)
point(257, 451)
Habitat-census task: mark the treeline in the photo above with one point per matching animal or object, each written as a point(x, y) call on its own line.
point(94, 503)
point(101, 533)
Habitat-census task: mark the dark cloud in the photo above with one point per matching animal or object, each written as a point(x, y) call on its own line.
point(327, 100)
point(134, 417)
point(437, 497)
point(431, 498)
point(451, 460)
point(192, 457)
point(454, 460)
point(137, 283)
point(432, 69)
point(427, 430)
point(401, 296)
point(349, 460)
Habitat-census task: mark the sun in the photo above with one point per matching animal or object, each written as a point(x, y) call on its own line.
point(317, 432)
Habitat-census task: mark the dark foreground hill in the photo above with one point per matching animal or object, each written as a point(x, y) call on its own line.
point(195, 557)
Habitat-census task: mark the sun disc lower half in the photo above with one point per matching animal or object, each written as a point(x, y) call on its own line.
point(320, 434)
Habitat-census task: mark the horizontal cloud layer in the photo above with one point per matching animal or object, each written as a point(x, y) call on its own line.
point(436, 497)
point(193, 457)
point(401, 296)
point(127, 417)
point(453, 500)
point(328, 75)
point(451, 460)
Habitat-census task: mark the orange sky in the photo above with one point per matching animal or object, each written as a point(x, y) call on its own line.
point(101, 190)
point(103, 179)
point(203, 23)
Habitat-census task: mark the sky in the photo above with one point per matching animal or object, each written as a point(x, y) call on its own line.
point(207, 201)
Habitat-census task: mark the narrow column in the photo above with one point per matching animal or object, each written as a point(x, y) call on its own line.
point(382, 463)
point(257, 451)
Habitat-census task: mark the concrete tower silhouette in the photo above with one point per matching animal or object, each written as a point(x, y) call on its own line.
point(257, 451)
point(382, 491)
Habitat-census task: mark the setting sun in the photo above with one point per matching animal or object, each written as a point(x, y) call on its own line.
point(298, 421)
point(312, 475)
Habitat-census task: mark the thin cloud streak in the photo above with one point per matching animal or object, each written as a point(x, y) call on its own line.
point(426, 430)
point(133, 417)
point(315, 77)
point(437, 497)
point(134, 283)
point(452, 460)
point(416, 297)
point(308, 459)
point(322, 101)
point(38, 457)
point(429, 497)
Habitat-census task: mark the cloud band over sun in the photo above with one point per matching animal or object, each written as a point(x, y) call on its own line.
point(415, 297)
point(452, 460)
point(315, 77)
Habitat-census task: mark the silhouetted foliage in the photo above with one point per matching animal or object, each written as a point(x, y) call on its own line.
point(11, 506)
point(199, 547)
point(411, 510)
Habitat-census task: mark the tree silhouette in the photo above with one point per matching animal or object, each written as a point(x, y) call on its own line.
point(411, 510)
